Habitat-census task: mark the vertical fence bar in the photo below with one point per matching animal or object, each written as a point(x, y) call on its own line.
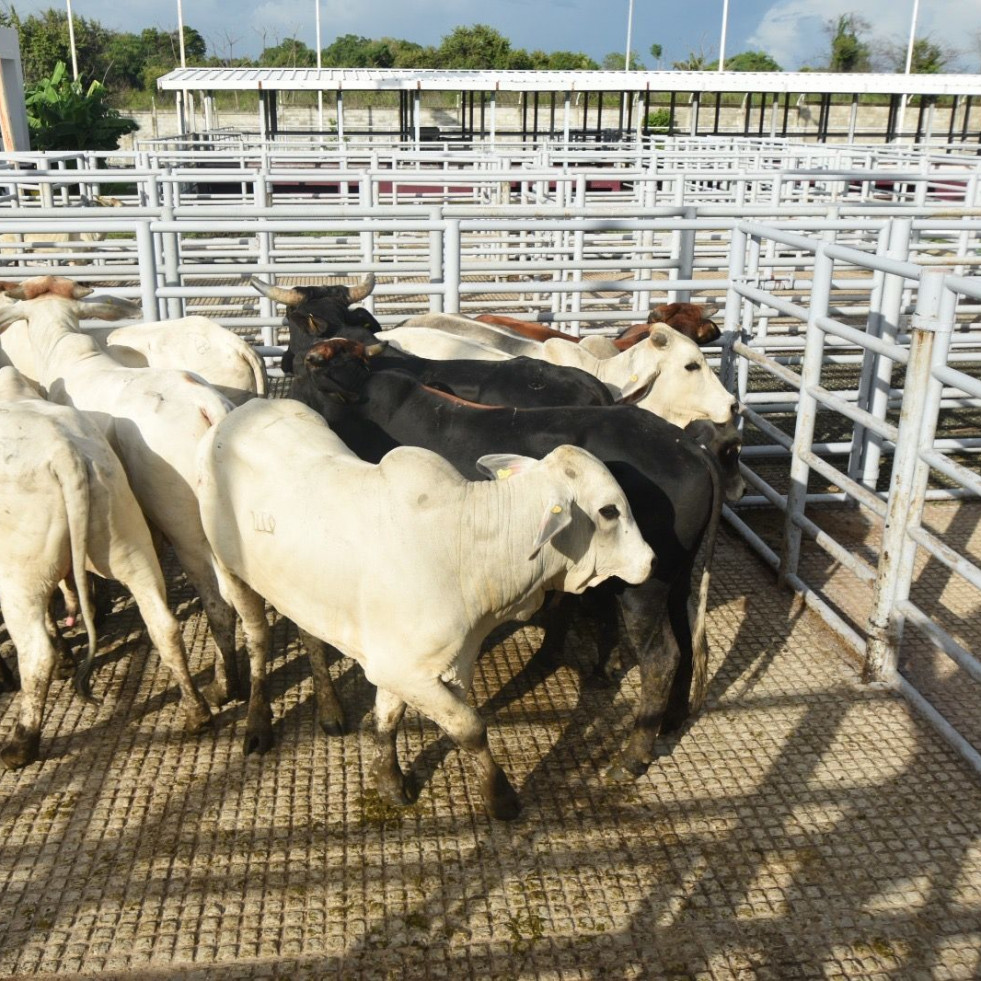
point(146, 255)
point(876, 369)
point(728, 368)
point(452, 261)
point(904, 504)
point(806, 412)
point(436, 301)
point(169, 244)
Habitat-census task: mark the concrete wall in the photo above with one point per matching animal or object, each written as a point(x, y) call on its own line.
point(802, 121)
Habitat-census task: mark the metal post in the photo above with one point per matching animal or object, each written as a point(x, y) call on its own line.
point(451, 267)
point(148, 265)
point(436, 259)
point(904, 505)
point(806, 412)
point(730, 327)
point(171, 277)
point(873, 390)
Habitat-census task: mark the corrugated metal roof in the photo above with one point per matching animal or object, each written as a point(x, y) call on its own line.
point(410, 79)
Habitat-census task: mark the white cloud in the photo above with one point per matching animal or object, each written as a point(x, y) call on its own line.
point(793, 31)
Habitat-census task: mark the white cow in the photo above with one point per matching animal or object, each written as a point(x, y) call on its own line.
point(466, 329)
point(403, 565)
point(441, 345)
point(665, 373)
point(153, 419)
point(222, 358)
point(198, 344)
point(66, 506)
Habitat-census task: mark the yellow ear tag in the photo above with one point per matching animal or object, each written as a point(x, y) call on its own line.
point(504, 473)
point(556, 509)
point(634, 378)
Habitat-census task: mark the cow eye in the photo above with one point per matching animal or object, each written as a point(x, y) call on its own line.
point(610, 511)
point(692, 366)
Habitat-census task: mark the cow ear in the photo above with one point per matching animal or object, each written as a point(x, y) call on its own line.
point(557, 516)
point(636, 388)
point(108, 308)
point(708, 309)
point(500, 466)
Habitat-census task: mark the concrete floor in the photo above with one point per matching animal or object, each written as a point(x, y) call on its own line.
point(804, 827)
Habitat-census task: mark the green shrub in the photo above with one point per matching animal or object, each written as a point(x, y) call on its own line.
point(62, 115)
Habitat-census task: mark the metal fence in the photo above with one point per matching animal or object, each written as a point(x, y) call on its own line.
point(852, 327)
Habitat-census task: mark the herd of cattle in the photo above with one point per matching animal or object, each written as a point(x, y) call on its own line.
point(360, 508)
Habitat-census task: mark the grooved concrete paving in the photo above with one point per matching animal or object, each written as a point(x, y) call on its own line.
point(803, 827)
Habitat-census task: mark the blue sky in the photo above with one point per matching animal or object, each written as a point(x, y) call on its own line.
point(790, 30)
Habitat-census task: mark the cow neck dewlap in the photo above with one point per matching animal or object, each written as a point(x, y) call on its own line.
point(497, 533)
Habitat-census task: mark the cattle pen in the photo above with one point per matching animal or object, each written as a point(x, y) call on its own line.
point(819, 819)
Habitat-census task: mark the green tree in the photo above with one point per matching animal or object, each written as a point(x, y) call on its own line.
point(849, 52)
point(749, 61)
point(354, 51)
point(479, 46)
point(929, 57)
point(614, 62)
point(569, 61)
point(695, 62)
point(657, 53)
point(64, 115)
point(289, 53)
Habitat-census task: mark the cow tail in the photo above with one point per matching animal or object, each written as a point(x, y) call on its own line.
point(72, 474)
point(258, 367)
point(696, 615)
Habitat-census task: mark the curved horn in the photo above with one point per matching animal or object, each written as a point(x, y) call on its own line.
point(357, 293)
point(292, 298)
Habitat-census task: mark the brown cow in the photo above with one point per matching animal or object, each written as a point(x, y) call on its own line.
point(690, 319)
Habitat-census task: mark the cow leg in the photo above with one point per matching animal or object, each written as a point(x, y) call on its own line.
point(446, 705)
point(679, 706)
point(165, 635)
point(251, 608)
point(390, 781)
point(330, 714)
point(36, 657)
point(608, 663)
point(645, 619)
point(556, 617)
point(227, 684)
point(65, 664)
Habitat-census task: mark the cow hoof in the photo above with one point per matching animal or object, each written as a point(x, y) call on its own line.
point(257, 741)
point(65, 668)
point(217, 694)
point(21, 750)
point(626, 771)
point(502, 800)
point(258, 731)
point(396, 788)
point(197, 715)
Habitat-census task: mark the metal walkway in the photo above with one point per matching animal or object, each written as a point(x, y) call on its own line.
point(804, 827)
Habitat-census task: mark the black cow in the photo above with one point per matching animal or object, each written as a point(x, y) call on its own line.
point(308, 307)
point(315, 313)
point(674, 484)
